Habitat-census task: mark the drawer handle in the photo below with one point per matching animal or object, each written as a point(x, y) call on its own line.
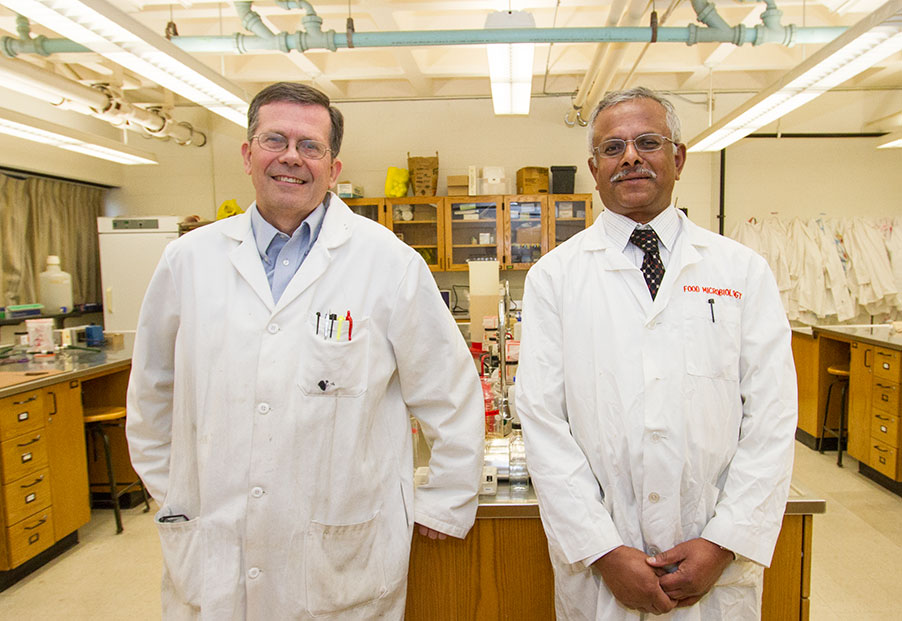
point(35, 482)
point(34, 538)
point(41, 523)
point(883, 353)
point(28, 400)
point(881, 450)
point(37, 438)
point(882, 459)
point(884, 397)
point(881, 416)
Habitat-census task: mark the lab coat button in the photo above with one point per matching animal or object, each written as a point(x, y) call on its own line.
point(286, 262)
point(272, 328)
point(253, 572)
point(263, 408)
point(257, 492)
point(653, 497)
point(652, 325)
point(656, 437)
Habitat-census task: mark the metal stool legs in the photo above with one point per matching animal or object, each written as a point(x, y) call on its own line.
point(840, 433)
point(98, 428)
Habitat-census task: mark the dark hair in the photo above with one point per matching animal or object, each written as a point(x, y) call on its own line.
point(292, 92)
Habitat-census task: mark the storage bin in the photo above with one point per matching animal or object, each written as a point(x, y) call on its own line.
point(562, 179)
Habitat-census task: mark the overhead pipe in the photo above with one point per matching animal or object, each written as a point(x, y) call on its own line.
point(100, 101)
point(579, 99)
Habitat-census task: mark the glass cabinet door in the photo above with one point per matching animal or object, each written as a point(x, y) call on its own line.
point(569, 214)
point(473, 229)
point(372, 208)
point(417, 221)
point(524, 233)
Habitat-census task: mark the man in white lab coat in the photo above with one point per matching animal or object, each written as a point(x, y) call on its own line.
point(278, 356)
point(658, 412)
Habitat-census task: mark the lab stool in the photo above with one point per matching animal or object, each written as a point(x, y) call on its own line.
point(841, 373)
point(97, 420)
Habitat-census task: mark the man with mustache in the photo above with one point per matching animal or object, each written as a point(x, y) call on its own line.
point(278, 358)
point(657, 393)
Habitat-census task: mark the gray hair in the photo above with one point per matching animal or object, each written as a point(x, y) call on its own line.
point(639, 92)
point(292, 92)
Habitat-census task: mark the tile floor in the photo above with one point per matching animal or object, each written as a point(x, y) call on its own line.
point(857, 557)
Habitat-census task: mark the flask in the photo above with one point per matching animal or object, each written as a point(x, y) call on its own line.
point(518, 475)
point(55, 288)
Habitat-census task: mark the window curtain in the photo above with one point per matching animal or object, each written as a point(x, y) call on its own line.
point(41, 217)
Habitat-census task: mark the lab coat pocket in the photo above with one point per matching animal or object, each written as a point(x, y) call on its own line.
point(711, 333)
point(332, 367)
point(182, 544)
point(344, 567)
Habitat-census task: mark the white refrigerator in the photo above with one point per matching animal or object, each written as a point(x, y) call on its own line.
point(130, 248)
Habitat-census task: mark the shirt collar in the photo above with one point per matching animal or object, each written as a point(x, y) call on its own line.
point(619, 227)
point(264, 232)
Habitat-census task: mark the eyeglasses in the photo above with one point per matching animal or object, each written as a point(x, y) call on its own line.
point(276, 143)
point(646, 143)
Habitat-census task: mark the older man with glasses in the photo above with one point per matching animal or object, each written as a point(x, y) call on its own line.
point(657, 393)
point(278, 357)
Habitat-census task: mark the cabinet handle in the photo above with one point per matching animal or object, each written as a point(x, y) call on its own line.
point(41, 523)
point(34, 538)
point(881, 417)
point(37, 438)
point(866, 363)
point(883, 353)
point(28, 400)
point(53, 394)
point(880, 449)
point(885, 386)
point(36, 481)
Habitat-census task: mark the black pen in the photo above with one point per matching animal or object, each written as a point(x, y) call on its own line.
point(711, 302)
point(317, 322)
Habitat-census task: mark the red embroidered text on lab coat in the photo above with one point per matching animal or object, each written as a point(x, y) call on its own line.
point(713, 291)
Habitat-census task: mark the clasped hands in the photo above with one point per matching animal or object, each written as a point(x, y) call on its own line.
point(645, 584)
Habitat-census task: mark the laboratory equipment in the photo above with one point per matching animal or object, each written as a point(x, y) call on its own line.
point(55, 287)
point(518, 476)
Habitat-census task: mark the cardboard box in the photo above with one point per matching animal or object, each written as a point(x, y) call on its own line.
point(532, 180)
point(458, 185)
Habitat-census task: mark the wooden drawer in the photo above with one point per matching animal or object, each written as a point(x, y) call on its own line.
point(883, 458)
point(26, 496)
point(30, 537)
point(887, 364)
point(885, 428)
point(21, 413)
point(885, 396)
point(23, 455)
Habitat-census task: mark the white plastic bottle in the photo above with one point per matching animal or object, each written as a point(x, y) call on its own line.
point(55, 288)
point(518, 475)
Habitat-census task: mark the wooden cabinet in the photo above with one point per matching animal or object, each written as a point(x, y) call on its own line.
point(474, 229)
point(44, 472)
point(568, 214)
point(372, 208)
point(449, 231)
point(420, 223)
point(886, 375)
point(860, 388)
point(525, 230)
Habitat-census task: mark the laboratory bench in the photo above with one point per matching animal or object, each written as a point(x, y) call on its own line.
point(502, 569)
point(874, 359)
point(45, 469)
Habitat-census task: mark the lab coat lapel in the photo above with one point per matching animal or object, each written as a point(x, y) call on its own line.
point(336, 230)
point(612, 259)
point(684, 255)
point(245, 257)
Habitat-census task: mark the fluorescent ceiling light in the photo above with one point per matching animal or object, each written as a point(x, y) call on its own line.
point(111, 33)
point(44, 132)
point(510, 64)
point(891, 141)
point(868, 42)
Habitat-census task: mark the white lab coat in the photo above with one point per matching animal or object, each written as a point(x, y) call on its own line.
point(648, 424)
point(292, 454)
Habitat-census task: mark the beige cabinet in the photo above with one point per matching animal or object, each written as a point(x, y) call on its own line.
point(44, 471)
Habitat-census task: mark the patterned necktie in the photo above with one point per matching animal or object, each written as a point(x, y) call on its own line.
point(652, 267)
